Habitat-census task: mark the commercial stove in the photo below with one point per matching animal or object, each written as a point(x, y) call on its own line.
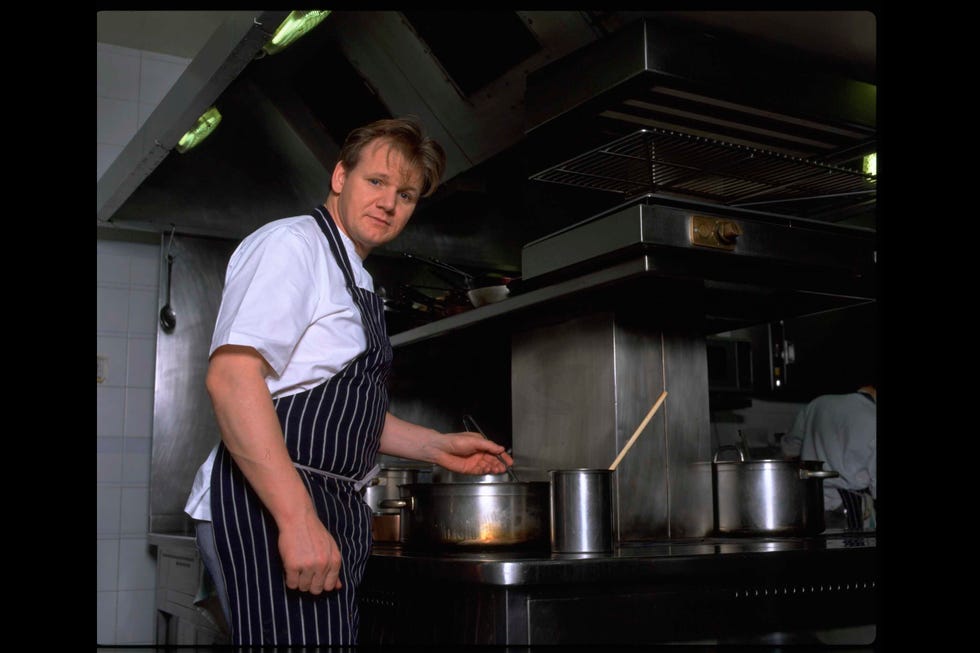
point(791, 590)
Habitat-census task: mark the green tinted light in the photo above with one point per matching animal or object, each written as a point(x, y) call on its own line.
point(202, 129)
point(297, 24)
point(870, 166)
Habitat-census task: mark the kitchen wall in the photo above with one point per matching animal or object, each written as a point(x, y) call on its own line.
point(126, 308)
point(130, 83)
point(761, 424)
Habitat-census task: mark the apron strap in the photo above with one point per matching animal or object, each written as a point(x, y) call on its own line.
point(358, 484)
point(853, 508)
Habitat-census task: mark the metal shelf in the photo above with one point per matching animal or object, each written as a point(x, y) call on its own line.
point(671, 163)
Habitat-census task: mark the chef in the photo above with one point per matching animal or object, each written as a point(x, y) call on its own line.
point(299, 363)
point(841, 430)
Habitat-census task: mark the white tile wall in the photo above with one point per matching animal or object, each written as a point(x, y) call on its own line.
point(760, 423)
point(127, 286)
point(129, 85)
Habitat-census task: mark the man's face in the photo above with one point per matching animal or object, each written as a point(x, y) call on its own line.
point(376, 198)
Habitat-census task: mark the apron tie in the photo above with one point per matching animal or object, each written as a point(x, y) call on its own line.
point(359, 485)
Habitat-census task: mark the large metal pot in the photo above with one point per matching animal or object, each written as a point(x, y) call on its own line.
point(474, 515)
point(768, 497)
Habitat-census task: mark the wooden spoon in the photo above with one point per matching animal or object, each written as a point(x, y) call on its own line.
point(639, 429)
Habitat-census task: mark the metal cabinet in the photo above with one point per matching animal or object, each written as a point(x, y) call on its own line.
point(181, 619)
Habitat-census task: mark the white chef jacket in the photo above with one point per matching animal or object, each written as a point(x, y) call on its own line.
point(840, 430)
point(286, 296)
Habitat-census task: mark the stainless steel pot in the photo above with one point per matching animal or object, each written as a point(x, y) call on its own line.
point(582, 510)
point(385, 486)
point(474, 515)
point(443, 475)
point(768, 497)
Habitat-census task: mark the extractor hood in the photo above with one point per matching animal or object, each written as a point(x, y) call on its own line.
point(680, 111)
point(490, 85)
point(285, 116)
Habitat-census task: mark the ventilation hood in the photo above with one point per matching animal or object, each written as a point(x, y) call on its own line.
point(513, 96)
point(285, 116)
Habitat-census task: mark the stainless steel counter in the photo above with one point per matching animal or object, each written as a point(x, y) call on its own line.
point(713, 589)
point(630, 562)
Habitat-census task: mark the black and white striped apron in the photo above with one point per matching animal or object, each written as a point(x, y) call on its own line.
point(333, 433)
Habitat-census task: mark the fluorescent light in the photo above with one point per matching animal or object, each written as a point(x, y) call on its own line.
point(297, 24)
point(202, 129)
point(870, 165)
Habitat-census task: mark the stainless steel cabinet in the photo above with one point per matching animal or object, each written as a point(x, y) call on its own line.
point(180, 620)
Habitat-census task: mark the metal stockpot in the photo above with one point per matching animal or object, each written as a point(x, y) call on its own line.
point(385, 486)
point(582, 510)
point(768, 497)
point(474, 515)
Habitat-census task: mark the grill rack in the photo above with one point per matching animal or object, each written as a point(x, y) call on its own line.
point(663, 161)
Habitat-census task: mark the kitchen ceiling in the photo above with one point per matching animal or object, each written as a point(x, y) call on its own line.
point(284, 116)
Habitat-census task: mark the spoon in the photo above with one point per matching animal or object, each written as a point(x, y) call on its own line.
point(639, 429)
point(473, 426)
point(168, 318)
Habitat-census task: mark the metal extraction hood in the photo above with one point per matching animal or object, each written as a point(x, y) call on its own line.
point(285, 116)
point(683, 112)
point(510, 94)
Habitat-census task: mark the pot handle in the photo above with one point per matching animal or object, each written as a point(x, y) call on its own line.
point(403, 503)
point(808, 473)
point(730, 447)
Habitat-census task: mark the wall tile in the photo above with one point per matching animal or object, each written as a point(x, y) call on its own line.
point(135, 467)
point(136, 618)
point(144, 311)
point(111, 268)
point(135, 510)
point(141, 358)
point(109, 49)
point(137, 565)
point(139, 413)
point(105, 155)
point(108, 502)
point(110, 411)
point(116, 121)
point(107, 560)
point(146, 264)
point(118, 75)
point(137, 446)
point(144, 111)
point(108, 467)
point(105, 624)
point(111, 309)
point(114, 349)
point(157, 77)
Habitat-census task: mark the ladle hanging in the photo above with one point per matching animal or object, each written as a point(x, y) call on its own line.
point(168, 317)
point(639, 429)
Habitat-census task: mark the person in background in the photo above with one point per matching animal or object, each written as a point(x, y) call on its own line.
point(841, 430)
point(298, 371)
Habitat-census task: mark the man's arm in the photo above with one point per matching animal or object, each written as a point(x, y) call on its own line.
point(465, 452)
point(251, 432)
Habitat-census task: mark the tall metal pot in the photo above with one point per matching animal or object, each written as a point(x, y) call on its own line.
point(768, 497)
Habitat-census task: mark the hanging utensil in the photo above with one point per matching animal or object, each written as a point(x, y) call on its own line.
point(480, 291)
point(639, 429)
point(471, 425)
point(168, 317)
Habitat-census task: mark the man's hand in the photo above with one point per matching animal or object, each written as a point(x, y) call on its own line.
point(310, 556)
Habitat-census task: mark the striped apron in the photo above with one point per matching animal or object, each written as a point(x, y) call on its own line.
point(333, 433)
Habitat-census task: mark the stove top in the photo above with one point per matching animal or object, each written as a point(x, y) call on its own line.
point(828, 540)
